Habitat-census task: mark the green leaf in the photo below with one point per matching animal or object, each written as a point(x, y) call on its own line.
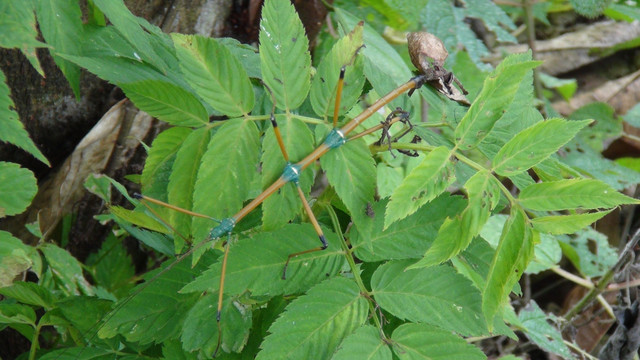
point(85, 313)
point(547, 254)
point(591, 163)
point(437, 296)
point(422, 341)
point(590, 8)
point(541, 332)
point(155, 311)
point(451, 28)
point(246, 54)
point(200, 332)
point(565, 87)
point(532, 145)
point(18, 26)
point(426, 181)
point(11, 129)
point(352, 172)
point(15, 258)
point(510, 260)
point(493, 17)
point(160, 160)
point(61, 26)
point(128, 25)
point(182, 180)
point(589, 252)
point(17, 189)
point(338, 309)
point(29, 293)
point(572, 194)
point(112, 266)
point(474, 262)
point(17, 314)
point(284, 54)
point(566, 224)
point(383, 66)
point(229, 166)
point(167, 102)
point(364, 343)
point(117, 70)
point(66, 270)
point(325, 82)
point(280, 208)
point(256, 264)
point(498, 91)
point(215, 74)
point(408, 238)
point(456, 233)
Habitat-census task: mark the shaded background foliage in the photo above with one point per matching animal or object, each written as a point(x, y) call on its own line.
point(240, 21)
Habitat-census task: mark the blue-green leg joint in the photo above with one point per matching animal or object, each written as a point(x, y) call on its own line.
point(225, 227)
point(291, 173)
point(335, 139)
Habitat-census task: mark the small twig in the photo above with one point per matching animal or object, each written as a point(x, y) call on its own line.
point(604, 281)
point(531, 40)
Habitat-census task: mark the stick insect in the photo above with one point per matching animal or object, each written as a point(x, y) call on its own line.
point(336, 138)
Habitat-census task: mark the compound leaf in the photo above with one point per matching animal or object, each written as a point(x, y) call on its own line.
point(410, 344)
point(156, 311)
point(284, 54)
point(534, 144)
point(324, 84)
point(408, 238)
point(257, 263)
point(167, 102)
point(228, 168)
point(215, 74)
point(17, 188)
point(456, 233)
point(436, 295)
point(337, 310)
point(510, 260)
point(352, 172)
point(426, 181)
point(566, 224)
point(572, 194)
point(498, 91)
point(365, 343)
point(11, 129)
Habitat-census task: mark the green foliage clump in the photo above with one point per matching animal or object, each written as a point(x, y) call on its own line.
point(423, 251)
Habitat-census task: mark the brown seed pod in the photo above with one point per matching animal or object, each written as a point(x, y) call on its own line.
point(425, 50)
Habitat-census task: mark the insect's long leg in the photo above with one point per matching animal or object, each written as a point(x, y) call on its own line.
point(221, 293)
point(392, 118)
point(336, 108)
point(316, 226)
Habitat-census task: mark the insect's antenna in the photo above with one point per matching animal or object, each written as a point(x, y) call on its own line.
point(172, 207)
point(221, 293)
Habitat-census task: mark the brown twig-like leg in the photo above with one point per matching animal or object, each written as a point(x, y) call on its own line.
point(316, 226)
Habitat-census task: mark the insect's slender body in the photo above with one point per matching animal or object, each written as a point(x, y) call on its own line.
point(291, 172)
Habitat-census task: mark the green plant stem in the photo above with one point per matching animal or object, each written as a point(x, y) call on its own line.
point(464, 159)
point(527, 6)
point(604, 280)
point(352, 264)
point(307, 119)
point(34, 343)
